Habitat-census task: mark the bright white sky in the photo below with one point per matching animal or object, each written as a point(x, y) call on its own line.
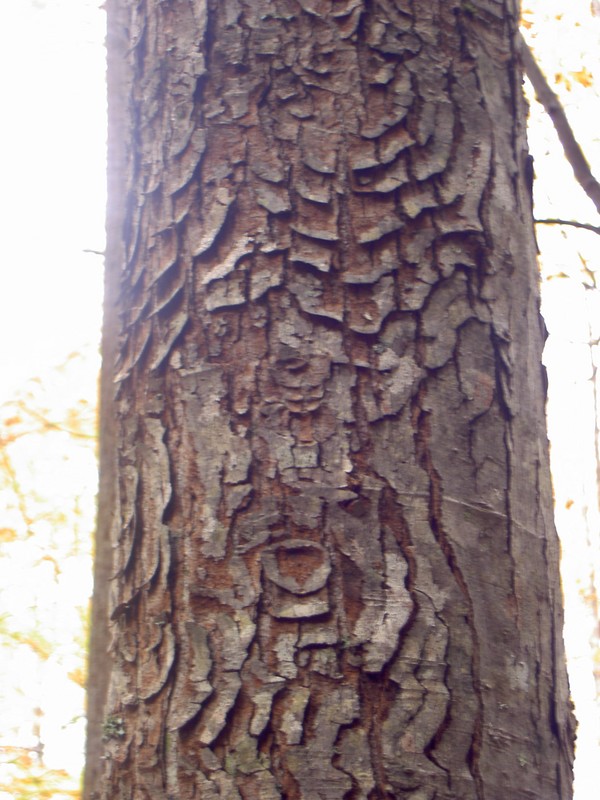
point(52, 181)
point(52, 144)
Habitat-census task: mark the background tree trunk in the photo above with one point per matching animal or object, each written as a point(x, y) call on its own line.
point(118, 82)
point(337, 567)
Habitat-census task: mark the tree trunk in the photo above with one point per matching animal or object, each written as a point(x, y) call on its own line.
point(337, 571)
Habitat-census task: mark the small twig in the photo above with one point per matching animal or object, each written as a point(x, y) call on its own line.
point(556, 112)
point(585, 225)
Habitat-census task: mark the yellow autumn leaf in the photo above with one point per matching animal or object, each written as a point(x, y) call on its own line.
point(36, 785)
point(78, 676)
point(7, 535)
point(34, 640)
point(526, 18)
point(23, 760)
point(54, 563)
point(560, 78)
point(584, 77)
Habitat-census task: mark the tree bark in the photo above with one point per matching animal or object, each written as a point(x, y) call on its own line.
point(337, 571)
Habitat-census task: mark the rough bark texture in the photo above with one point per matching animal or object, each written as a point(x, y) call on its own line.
point(336, 567)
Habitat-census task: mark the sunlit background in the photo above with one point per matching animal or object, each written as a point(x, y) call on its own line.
point(52, 196)
point(52, 184)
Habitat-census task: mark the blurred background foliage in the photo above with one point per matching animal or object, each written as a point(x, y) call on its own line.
point(48, 478)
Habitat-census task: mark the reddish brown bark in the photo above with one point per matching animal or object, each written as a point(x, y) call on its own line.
point(335, 557)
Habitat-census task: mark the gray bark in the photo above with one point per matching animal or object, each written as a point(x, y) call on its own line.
point(337, 571)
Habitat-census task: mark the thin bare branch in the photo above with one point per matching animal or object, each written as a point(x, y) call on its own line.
point(585, 225)
point(556, 112)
